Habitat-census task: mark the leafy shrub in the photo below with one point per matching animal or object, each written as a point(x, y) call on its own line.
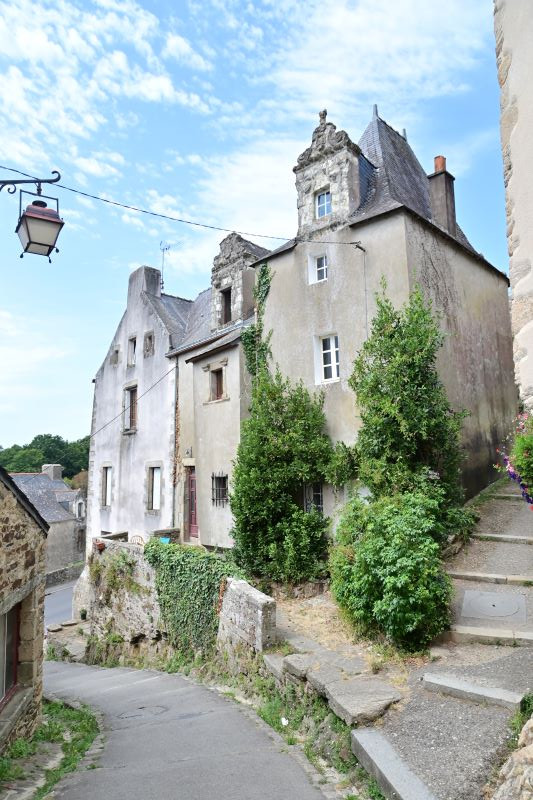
point(522, 451)
point(283, 447)
point(386, 569)
point(189, 584)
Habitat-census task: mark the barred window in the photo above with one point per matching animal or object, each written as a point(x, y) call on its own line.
point(219, 489)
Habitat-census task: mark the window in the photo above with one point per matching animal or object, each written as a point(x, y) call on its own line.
point(130, 409)
point(314, 497)
point(106, 486)
point(226, 305)
point(114, 356)
point(323, 204)
point(330, 357)
point(9, 642)
point(132, 347)
point(154, 488)
point(219, 489)
point(148, 346)
point(79, 512)
point(216, 392)
point(321, 264)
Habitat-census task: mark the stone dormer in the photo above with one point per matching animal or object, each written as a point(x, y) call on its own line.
point(331, 179)
point(232, 280)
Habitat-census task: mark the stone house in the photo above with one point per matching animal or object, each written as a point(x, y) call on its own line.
point(175, 381)
point(22, 563)
point(513, 25)
point(64, 509)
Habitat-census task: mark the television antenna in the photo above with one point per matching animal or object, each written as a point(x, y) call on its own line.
point(164, 247)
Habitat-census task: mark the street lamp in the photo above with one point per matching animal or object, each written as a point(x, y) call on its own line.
point(38, 226)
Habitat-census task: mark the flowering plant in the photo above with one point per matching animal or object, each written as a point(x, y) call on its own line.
point(518, 464)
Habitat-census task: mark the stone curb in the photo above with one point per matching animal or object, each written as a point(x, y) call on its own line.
point(456, 687)
point(505, 636)
point(392, 774)
point(486, 577)
point(501, 537)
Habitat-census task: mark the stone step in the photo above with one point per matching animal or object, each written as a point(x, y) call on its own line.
point(393, 776)
point(508, 496)
point(487, 577)
point(501, 537)
point(467, 690)
point(486, 635)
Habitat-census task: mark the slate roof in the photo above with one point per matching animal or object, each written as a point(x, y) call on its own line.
point(24, 500)
point(173, 313)
point(399, 178)
point(46, 495)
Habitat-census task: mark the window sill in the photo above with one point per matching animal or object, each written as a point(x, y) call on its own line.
point(317, 283)
point(153, 512)
point(220, 400)
point(129, 431)
point(105, 508)
point(328, 381)
point(13, 710)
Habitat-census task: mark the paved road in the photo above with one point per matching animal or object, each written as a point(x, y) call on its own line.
point(169, 739)
point(58, 603)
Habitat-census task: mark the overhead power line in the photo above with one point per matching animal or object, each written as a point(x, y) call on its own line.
point(183, 221)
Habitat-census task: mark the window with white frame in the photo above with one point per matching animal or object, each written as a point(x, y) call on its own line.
point(130, 409)
point(330, 357)
point(321, 266)
point(106, 486)
point(314, 497)
point(323, 204)
point(154, 489)
point(132, 351)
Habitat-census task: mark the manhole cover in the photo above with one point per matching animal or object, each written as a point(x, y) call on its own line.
point(486, 605)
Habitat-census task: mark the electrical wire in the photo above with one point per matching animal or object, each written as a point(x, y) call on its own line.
point(126, 408)
point(171, 218)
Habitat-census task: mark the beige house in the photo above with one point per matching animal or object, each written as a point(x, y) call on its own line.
point(366, 211)
point(22, 568)
point(513, 24)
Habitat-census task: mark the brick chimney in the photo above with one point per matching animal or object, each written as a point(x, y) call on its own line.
point(442, 196)
point(54, 471)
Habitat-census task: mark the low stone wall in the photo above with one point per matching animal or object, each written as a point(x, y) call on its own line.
point(516, 776)
point(122, 606)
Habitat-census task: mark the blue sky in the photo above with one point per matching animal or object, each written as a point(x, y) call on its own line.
point(199, 109)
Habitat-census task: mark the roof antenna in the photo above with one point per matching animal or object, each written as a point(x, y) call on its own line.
point(164, 247)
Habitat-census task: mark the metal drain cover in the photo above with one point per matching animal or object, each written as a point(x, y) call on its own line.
point(487, 605)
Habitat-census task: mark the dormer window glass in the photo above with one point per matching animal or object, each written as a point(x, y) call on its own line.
point(323, 204)
point(226, 306)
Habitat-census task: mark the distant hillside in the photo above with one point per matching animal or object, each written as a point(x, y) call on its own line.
point(47, 449)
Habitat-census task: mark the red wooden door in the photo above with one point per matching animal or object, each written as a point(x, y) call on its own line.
point(193, 521)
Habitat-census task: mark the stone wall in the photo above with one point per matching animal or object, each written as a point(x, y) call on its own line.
point(65, 547)
point(126, 608)
point(231, 270)
point(513, 25)
point(515, 778)
point(22, 566)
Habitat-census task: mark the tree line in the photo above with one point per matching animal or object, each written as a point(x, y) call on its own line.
point(47, 449)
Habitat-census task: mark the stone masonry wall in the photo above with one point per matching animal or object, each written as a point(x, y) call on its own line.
point(513, 25)
point(22, 567)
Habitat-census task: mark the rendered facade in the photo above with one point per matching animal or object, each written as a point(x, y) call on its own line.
point(366, 211)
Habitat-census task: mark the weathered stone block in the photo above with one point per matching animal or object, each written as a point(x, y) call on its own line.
point(247, 616)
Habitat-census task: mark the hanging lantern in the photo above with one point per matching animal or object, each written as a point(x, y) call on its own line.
point(38, 227)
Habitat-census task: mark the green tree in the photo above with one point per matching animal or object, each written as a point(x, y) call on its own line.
point(409, 430)
point(283, 447)
point(47, 448)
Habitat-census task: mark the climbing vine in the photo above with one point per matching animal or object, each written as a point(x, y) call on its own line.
point(189, 583)
point(256, 348)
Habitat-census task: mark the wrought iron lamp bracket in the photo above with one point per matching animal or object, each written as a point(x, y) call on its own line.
point(11, 185)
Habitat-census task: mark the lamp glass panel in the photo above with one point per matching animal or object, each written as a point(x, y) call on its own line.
point(43, 231)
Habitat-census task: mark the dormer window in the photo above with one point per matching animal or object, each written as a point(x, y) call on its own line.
point(226, 306)
point(323, 204)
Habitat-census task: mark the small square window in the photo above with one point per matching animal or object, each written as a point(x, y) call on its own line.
point(132, 348)
point(219, 489)
point(113, 358)
point(321, 268)
point(323, 204)
point(216, 377)
point(154, 489)
point(130, 409)
point(330, 357)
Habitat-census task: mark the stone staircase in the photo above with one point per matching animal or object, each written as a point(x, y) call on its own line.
point(443, 739)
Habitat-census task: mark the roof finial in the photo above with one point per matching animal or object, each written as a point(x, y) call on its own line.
point(323, 114)
point(375, 111)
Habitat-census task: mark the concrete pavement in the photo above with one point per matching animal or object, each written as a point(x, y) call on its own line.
point(170, 739)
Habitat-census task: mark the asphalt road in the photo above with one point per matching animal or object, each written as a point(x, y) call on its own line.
point(58, 603)
point(167, 738)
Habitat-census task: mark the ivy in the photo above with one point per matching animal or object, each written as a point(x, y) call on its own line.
point(256, 348)
point(190, 584)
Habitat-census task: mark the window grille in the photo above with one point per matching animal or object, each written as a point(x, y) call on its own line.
point(219, 489)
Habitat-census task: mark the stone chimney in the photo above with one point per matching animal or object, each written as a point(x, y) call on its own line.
point(442, 196)
point(54, 471)
point(144, 279)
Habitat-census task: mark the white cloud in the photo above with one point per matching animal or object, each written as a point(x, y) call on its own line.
point(180, 49)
